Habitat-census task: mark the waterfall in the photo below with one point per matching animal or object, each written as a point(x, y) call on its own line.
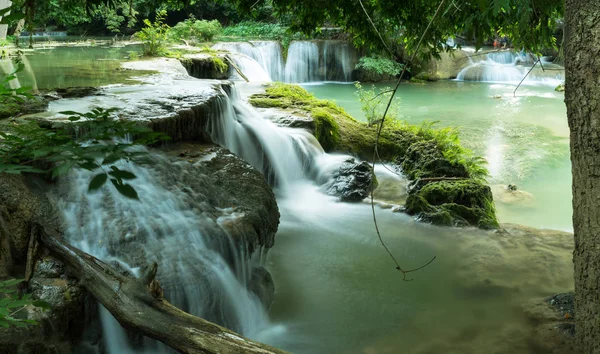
point(307, 61)
point(508, 67)
point(282, 154)
point(201, 270)
point(259, 60)
point(174, 228)
point(302, 63)
point(339, 60)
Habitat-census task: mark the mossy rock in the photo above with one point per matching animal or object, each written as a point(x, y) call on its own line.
point(206, 66)
point(465, 202)
point(11, 106)
point(424, 159)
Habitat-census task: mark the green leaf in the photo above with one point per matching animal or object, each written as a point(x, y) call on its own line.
point(63, 168)
point(69, 113)
point(111, 158)
point(97, 182)
point(125, 189)
point(120, 174)
point(90, 166)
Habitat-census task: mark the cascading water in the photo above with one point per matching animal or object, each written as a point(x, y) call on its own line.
point(340, 59)
point(307, 61)
point(258, 60)
point(172, 226)
point(507, 67)
point(177, 230)
point(303, 62)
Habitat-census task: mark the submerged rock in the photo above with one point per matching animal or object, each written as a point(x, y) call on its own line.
point(352, 182)
point(508, 195)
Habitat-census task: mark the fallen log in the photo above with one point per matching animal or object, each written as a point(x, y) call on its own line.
point(135, 306)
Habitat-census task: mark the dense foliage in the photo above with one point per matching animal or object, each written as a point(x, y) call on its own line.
point(154, 36)
point(379, 65)
point(192, 29)
point(528, 23)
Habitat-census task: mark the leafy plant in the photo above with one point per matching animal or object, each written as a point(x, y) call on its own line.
point(12, 302)
point(373, 103)
point(379, 65)
point(94, 141)
point(192, 29)
point(154, 35)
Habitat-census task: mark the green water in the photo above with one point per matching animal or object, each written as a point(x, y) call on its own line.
point(523, 138)
point(57, 67)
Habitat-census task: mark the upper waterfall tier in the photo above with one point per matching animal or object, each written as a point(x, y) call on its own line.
point(510, 67)
point(307, 61)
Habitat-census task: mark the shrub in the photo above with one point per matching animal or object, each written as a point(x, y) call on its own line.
point(379, 65)
point(154, 35)
point(373, 103)
point(191, 29)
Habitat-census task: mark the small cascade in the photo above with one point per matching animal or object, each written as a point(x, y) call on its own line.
point(339, 60)
point(507, 67)
point(307, 61)
point(253, 71)
point(174, 228)
point(284, 155)
point(265, 55)
point(302, 62)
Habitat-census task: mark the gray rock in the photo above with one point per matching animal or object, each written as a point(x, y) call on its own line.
point(352, 182)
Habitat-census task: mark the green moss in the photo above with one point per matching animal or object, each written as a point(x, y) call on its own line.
point(415, 80)
point(327, 130)
point(11, 106)
point(465, 202)
point(219, 64)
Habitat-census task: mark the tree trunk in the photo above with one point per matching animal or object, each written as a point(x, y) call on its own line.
point(132, 303)
point(582, 97)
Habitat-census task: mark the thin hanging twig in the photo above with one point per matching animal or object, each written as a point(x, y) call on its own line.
point(524, 77)
point(380, 128)
point(376, 30)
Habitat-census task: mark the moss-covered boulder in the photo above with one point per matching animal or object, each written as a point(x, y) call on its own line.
point(462, 202)
point(206, 66)
point(11, 106)
point(425, 159)
point(422, 153)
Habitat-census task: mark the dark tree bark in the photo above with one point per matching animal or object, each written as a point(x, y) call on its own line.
point(135, 306)
point(582, 96)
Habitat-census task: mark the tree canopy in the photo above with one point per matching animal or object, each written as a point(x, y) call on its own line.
point(529, 24)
